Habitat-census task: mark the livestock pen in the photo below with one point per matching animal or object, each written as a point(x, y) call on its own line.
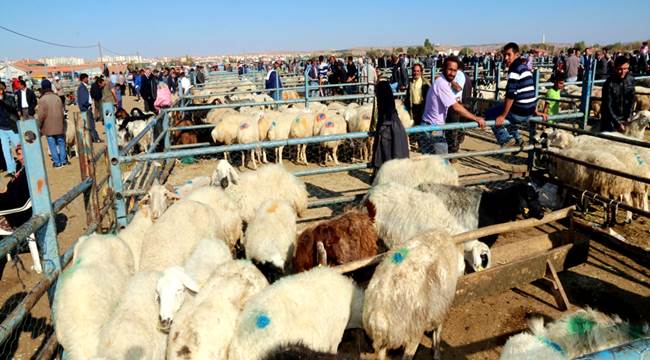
point(551, 246)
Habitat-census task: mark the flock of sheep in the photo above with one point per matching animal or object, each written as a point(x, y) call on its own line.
point(222, 272)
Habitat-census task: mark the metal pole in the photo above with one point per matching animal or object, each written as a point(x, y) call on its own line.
point(114, 163)
point(497, 70)
point(40, 194)
point(165, 129)
point(475, 81)
point(87, 168)
point(307, 89)
point(532, 127)
point(586, 94)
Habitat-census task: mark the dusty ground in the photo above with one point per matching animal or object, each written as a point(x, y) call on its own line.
point(608, 281)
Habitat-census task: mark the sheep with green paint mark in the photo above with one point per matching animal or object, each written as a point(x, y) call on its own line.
point(411, 292)
point(88, 291)
point(311, 308)
point(414, 172)
point(580, 333)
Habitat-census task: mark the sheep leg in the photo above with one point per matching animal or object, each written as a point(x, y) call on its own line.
point(410, 350)
point(336, 159)
point(645, 200)
point(381, 355)
point(264, 156)
point(435, 342)
point(627, 199)
point(279, 156)
point(253, 157)
point(243, 159)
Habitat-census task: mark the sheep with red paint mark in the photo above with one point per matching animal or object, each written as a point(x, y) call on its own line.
point(332, 124)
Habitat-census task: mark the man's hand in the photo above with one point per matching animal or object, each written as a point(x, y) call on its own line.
point(621, 127)
point(480, 121)
point(543, 115)
point(500, 120)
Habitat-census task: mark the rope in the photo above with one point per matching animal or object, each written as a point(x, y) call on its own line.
point(47, 42)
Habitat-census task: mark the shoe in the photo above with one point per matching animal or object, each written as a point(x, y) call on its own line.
point(510, 143)
point(519, 142)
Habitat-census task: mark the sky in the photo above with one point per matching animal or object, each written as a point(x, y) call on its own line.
point(204, 27)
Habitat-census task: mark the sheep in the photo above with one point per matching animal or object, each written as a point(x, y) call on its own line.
point(158, 198)
point(403, 114)
point(204, 326)
point(224, 174)
point(359, 119)
point(297, 352)
point(476, 208)
point(207, 255)
point(131, 333)
point(345, 238)
point(88, 291)
point(134, 232)
point(280, 130)
point(301, 127)
point(580, 333)
point(190, 185)
point(638, 123)
point(641, 98)
point(70, 135)
point(247, 133)
point(270, 182)
point(226, 129)
point(226, 213)
point(391, 207)
point(271, 237)
point(214, 116)
point(411, 292)
point(319, 300)
point(413, 172)
point(170, 240)
point(334, 125)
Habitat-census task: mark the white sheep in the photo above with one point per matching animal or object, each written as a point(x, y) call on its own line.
point(302, 127)
point(411, 292)
point(270, 237)
point(225, 130)
point(171, 239)
point(226, 213)
point(279, 130)
point(192, 184)
point(312, 308)
point(397, 220)
point(204, 326)
point(132, 332)
point(414, 172)
point(335, 125)
point(403, 114)
point(88, 291)
point(359, 119)
point(248, 133)
point(215, 116)
point(270, 182)
point(133, 234)
point(158, 198)
point(580, 333)
point(206, 256)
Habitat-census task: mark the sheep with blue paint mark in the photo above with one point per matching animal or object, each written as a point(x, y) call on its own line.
point(249, 133)
point(311, 308)
point(205, 324)
point(302, 126)
point(413, 172)
point(280, 129)
point(88, 291)
point(582, 332)
point(411, 292)
point(334, 124)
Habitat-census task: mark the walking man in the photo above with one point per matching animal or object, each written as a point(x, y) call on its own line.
point(521, 101)
point(26, 100)
point(148, 90)
point(618, 97)
point(84, 101)
point(52, 124)
point(8, 129)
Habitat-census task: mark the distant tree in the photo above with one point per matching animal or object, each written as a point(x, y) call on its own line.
point(374, 53)
point(465, 51)
point(580, 45)
point(412, 51)
point(398, 50)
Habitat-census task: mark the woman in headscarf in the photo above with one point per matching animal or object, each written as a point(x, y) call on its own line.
point(390, 139)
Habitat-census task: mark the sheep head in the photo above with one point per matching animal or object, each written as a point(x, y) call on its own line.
point(158, 198)
point(224, 174)
point(170, 294)
point(477, 254)
point(560, 139)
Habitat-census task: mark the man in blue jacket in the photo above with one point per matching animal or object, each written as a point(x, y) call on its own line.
point(85, 107)
point(273, 81)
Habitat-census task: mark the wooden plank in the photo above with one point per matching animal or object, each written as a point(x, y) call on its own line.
point(557, 289)
point(523, 271)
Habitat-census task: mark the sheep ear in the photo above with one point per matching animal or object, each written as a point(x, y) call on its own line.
point(172, 195)
point(145, 199)
point(234, 177)
point(169, 187)
point(190, 284)
point(372, 211)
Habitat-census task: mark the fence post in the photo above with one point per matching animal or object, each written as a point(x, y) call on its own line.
point(474, 81)
point(585, 100)
point(497, 78)
point(165, 128)
point(306, 90)
point(87, 167)
point(532, 127)
point(39, 191)
point(114, 164)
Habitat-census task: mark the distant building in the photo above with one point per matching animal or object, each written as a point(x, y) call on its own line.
point(58, 61)
point(121, 59)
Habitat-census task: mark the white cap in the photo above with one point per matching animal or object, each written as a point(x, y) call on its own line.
point(56, 78)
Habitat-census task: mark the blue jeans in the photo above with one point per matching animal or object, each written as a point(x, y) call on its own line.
point(9, 141)
point(90, 125)
point(57, 149)
point(433, 142)
point(313, 88)
point(505, 133)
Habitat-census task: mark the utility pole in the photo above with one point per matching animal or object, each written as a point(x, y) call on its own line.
point(101, 57)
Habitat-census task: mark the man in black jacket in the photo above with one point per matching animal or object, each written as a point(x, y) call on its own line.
point(96, 95)
point(25, 101)
point(618, 97)
point(149, 90)
point(8, 129)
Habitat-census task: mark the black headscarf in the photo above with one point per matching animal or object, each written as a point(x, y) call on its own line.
point(391, 141)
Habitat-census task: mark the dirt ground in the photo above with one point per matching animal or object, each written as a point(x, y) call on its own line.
point(609, 281)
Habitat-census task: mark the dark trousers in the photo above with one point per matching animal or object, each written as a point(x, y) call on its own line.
point(417, 110)
point(148, 105)
point(454, 137)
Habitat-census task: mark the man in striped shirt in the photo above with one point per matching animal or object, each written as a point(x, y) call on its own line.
point(521, 101)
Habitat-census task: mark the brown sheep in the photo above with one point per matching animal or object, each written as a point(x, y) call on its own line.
point(345, 238)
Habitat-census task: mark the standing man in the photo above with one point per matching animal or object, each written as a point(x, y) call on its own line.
point(58, 89)
point(415, 94)
point(602, 66)
point(96, 96)
point(552, 106)
point(311, 72)
point(84, 101)
point(273, 81)
point(26, 101)
point(521, 101)
point(148, 91)
point(351, 76)
point(200, 76)
point(8, 128)
point(618, 97)
point(52, 124)
point(439, 99)
point(572, 66)
point(455, 137)
point(108, 94)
